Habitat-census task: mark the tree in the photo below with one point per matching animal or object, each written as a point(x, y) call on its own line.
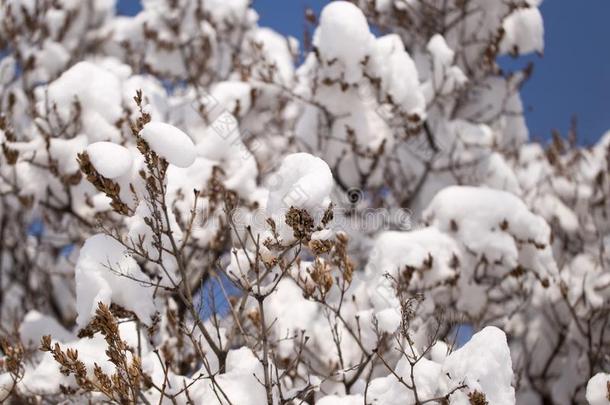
point(195, 209)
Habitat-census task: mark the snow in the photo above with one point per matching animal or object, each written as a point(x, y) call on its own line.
point(7, 69)
point(588, 281)
point(288, 322)
point(302, 181)
point(341, 400)
point(153, 94)
point(182, 181)
point(324, 234)
point(229, 10)
point(499, 175)
point(598, 389)
point(394, 250)
point(241, 382)
point(477, 215)
point(440, 51)
point(53, 58)
point(221, 142)
point(234, 96)
point(105, 273)
point(388, 320)
point(45, 376)
point(99, 93)
point(426, 374)
point(35, 325)
point(388, 391)
point(140, 231)
point(445, 76)
point(399, 77)
point(343, 34)
point(277, 50)
point(484, 363)
point(170, 143)
point(490, 229)
point(109, 159)
point(523, 31)
point(65, 152)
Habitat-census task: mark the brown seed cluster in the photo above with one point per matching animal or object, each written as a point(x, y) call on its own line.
point(477, 398)
point(301, 222)
point(123, 386)
point(101, 183)
point(321, 274)
point(13, 357)
point(341, 259)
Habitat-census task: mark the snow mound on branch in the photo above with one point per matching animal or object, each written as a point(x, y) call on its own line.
point(52, 58)
point(394, 250)
point(598, 389)
point(484, 364)
point(140, 231)
point(302, 181)
point(109, 159)
point(337, 400)
point(233, 95)
point(65, 152)
point(105, 273)
point(170, 143)
point(182, 181)
point(389, 391)
point(494, 223)
point(153, 94)
point(523, 31)
point(440, 51)
point(222, 142)
point(44, 377)
point(35, 325)
point(227, 10)
point(587, 280)
point(288, 322)
point(343, 34)
point(430, 254)
point(277, 50)
point(98, 92)
point(241, 383)
point(444, 76)
point(398, 73)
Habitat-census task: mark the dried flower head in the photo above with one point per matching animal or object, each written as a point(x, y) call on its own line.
point(301, 222)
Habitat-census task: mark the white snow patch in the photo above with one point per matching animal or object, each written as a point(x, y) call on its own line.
point(170, 143)
point(484, 364)
point(109, 159)
point(343, 34)
point(105, 273)
point(597, 389)
point(523, 31)
point(302, 181)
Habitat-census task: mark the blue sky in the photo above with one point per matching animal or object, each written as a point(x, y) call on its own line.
point(573, 76)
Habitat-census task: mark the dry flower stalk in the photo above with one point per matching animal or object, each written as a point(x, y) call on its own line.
point(124, 386)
